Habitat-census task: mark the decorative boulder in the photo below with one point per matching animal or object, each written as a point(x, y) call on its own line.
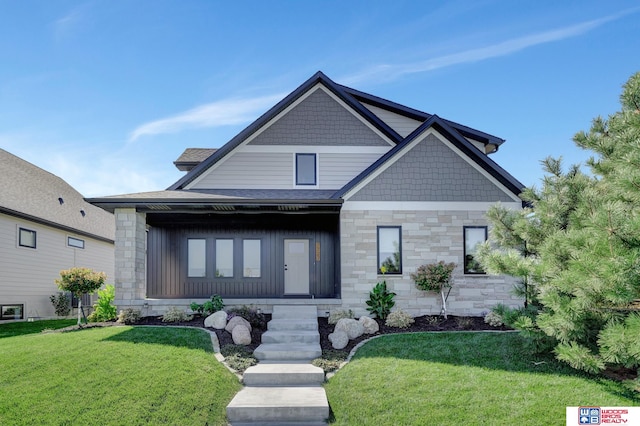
point(233, 322)
point(351, 327)
point(241, 335)
point(370, 325)
point(339, 339)
point(217, 320)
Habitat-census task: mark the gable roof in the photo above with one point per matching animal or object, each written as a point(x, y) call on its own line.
point(191, 157)
point(445, 129)
point(317, 78)
point(29, 192)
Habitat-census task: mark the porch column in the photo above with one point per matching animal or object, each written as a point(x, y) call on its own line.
point(130, 257)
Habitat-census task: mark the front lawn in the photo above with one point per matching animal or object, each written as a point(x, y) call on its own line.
point(461, 378)
point(114, 376)
point(20, 328)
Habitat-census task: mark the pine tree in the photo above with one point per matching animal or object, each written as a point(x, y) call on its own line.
point(577, 246)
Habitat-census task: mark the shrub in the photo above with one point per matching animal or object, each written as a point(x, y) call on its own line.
point(175, 314)
point(330, 360)
point(103, 308)
point(335, 316)
point(464, 323)
point(209, 307)
point(380, 300)
point(128, 316)
point(433, 320)
point(399, 319)
point(255, 318)
point(61, 304)
point(238, 357)
point(435, 277)
point(493, 319)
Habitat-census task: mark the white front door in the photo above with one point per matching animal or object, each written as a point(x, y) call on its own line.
point(296, 266)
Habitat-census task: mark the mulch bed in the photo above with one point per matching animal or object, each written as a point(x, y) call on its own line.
point(423, 323)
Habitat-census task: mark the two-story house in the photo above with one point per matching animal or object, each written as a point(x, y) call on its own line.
point(327, 193)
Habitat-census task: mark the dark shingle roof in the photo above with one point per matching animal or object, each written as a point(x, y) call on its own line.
point(191, 157)
point(35, 194)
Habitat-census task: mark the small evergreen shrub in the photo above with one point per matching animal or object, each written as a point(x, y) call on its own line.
point(255, 318)
point(104, 310)
point(399, 319)
point(493, 319)
point(335, 316)
point(128, 316)
point(380, 300)
point(61, 304)
point(330, 360)
point(175, 314)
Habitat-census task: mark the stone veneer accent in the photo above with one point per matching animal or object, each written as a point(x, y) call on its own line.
point(427, 236)
point(130, 258)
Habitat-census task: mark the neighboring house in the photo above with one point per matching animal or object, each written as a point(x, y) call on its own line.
point(311, 203)
point(45, 227)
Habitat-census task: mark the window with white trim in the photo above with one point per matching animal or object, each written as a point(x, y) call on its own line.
point(26, 238)
point(306, 171)
point(473, 235)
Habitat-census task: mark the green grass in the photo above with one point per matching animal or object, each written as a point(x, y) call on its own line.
point(20, 328)
point(459, 379)
point(114, 376)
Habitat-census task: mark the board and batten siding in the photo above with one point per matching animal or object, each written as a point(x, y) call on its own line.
point(27, 276)
point(168, 261)
point(260, 168)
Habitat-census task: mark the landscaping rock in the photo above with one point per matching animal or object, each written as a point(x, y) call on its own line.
point(370, 325)
point(233, 322)
point(217, 320)
point(351, 327)
point(338, 339)
point(241, 335)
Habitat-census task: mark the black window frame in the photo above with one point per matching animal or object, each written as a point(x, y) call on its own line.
point(35, 238)
point(378, 266)
point(233, 258)
point(315, 168)
point(189, 276)
point(12, 317)
point(243, 259)
point(465, 262)
point(79, 246)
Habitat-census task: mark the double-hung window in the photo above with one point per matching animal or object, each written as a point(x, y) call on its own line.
point(473, 235)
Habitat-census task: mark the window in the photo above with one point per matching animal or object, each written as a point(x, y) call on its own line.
point(75, 242)
point(473, 235)
point(306, 169)
point(224, 258)
point(251, 258)
point(26, 238)
point(197, 257)
point(389, 250)
point(10, 312)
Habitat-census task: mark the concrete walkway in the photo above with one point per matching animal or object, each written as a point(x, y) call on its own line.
point(284, 388)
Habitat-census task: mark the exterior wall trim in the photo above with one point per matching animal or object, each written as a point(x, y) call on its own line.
point(425, 205)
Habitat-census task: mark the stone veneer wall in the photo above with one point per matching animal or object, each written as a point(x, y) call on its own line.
point(427, 236)
point(130, 248)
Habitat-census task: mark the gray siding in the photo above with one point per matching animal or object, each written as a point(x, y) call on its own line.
point(401, 124)
point(319, 120)
point(249, 170)
point(431, 171)
point(167, 261)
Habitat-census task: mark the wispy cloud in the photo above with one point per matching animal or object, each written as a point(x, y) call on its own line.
point(387, 72)
point(221, 113)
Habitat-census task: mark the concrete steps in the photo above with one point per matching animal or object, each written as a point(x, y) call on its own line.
point(284, 389)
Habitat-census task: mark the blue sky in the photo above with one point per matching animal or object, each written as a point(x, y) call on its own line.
point(107, 94)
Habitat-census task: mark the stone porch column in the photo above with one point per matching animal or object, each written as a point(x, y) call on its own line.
point(130, 257)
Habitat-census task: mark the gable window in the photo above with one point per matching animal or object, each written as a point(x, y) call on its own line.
point(473, 235)
point(197, 257)
point(224, 258)
point(75, 242)
point(26, 238)
point(251, 258)
point(306, 169)
point(389, 250)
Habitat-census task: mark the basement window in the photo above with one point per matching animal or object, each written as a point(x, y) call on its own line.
point(11, 312)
